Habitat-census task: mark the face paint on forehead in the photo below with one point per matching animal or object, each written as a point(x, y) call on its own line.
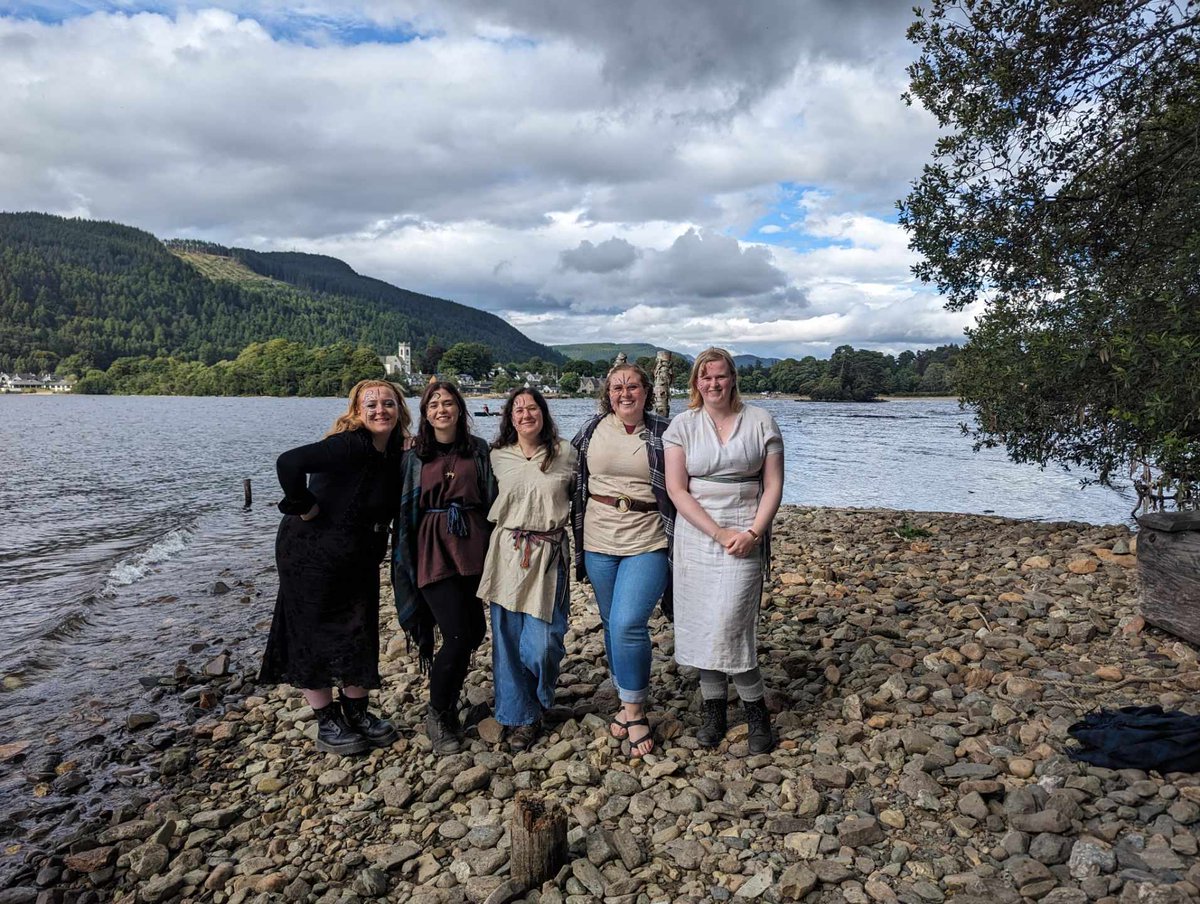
point(375, 395)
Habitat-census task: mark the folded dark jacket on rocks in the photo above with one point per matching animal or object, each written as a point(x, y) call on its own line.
point(1138, 737)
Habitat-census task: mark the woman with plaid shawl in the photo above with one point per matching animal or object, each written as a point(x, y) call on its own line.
point(623, 524)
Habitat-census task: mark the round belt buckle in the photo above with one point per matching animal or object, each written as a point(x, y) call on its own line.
point(623, 503)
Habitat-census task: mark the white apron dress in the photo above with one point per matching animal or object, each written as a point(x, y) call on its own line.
point(717, 595)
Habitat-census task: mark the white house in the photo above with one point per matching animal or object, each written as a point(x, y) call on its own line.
point(32, 383)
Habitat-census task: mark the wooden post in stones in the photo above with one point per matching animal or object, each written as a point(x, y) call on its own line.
point(538, 832)
point(662, 384)
point(1168, 557)
point(246, 494)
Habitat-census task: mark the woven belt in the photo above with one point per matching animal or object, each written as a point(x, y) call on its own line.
point(456, 524)
point(523, 541)
point(625, 504)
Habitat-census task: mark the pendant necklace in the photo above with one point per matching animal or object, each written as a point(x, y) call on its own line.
point(722, 427)
point(448, 467)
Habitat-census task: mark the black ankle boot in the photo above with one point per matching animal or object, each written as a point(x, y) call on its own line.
point(443, 730)
point(379, 732)
point(712, 732)
point(758, 720)
point(334, 735)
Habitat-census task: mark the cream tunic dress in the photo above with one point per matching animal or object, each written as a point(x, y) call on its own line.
point(535, 500)
point(717, 595)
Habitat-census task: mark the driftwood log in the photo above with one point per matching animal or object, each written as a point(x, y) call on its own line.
point(1168, 554)
point(538, 832)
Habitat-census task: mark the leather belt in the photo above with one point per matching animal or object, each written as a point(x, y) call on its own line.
point(625, 504)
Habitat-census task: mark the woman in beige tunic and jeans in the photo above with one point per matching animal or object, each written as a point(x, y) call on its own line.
point(725, 476)
point(525, 577)
point(623, 525)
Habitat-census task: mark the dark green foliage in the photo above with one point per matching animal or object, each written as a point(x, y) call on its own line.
point(790, 375)
point(856, 375)
point(275, 368)
point(95, 292)
point(1064, 196)
point(906, 531)
point(580, 366)
point(473, 358)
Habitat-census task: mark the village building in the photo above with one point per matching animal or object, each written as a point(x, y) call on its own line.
point(18, 382)
point(398, 365)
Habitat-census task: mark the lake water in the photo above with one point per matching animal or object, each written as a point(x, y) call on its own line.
point(122, 512)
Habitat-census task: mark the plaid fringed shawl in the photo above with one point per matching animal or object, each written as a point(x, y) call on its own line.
point(652, 437)
point(411, 609)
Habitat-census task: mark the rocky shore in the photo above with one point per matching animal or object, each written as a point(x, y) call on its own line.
point(924, 669)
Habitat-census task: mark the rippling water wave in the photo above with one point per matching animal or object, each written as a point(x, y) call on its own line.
point(133, 569)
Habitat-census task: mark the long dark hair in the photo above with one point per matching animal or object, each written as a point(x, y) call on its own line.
point(426, 441)
point(548, 437)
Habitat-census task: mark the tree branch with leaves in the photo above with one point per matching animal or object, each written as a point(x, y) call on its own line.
point(1062, 202)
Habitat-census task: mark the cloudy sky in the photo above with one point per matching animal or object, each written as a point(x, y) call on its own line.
point(686, 172)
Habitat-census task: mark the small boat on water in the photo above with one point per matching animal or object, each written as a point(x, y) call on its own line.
point(486, 413)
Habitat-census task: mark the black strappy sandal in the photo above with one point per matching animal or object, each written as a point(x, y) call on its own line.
point(624, 726)
point(635, 744)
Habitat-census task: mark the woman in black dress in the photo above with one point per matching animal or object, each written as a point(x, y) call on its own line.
point(439, 550)
point(325, 631)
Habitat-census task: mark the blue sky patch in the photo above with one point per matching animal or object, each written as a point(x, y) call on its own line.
point(783, 224)
point(281, 26)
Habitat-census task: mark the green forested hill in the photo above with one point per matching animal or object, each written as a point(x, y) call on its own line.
point(92, 292)
point(595, 351)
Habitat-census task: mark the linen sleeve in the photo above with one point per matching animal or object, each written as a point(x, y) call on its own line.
point(339, 452)
point(570, 456)
point(673, 435)
point(503, 490)
point(772, 437)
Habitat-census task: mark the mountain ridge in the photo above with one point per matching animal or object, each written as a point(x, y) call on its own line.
point(91, 291)
point(595, 351)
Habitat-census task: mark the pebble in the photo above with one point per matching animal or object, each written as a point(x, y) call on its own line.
point(922, 688)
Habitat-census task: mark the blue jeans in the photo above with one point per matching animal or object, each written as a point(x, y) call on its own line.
point(526, 655)
point(627, 587)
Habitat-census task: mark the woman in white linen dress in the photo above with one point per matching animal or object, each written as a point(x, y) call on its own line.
point(724, 463)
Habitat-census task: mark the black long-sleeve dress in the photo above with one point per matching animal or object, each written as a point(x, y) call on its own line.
point(325, 630)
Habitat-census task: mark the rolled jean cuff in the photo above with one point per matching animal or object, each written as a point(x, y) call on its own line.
point(632, 696)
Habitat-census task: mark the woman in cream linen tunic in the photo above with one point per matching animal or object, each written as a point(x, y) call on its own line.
point(525, 577)
point(717, 595)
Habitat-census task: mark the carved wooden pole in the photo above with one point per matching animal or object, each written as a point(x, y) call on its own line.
point(662, 384)
point(538, 832)
point(620, 359)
